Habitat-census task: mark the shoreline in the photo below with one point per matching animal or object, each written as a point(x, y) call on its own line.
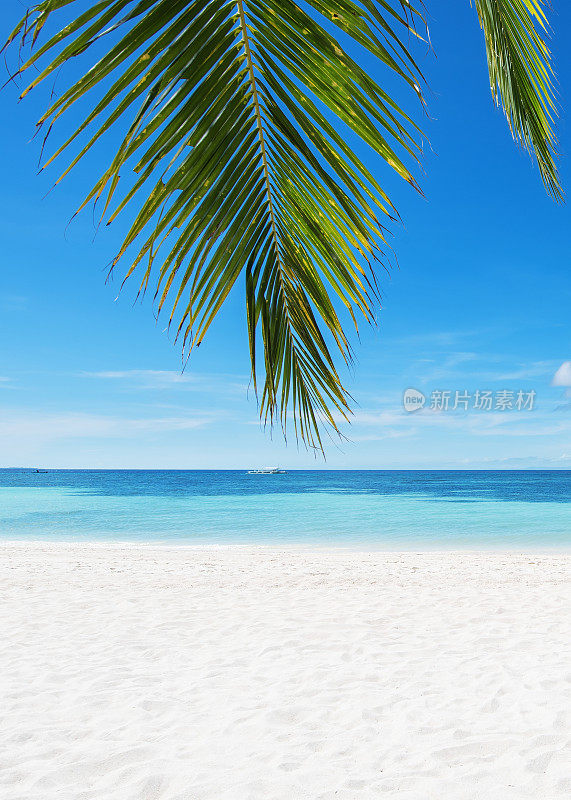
point(327, 547)
point(242, 672)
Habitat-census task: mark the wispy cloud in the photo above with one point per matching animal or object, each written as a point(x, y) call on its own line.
point(561, 461)
point(449, 366)
point(15, 426)
point(440, 338)
point(152, 377)
point(388, 424)
point(535, 369)
point(467, 366)
point(172, 379)
point(13, 302)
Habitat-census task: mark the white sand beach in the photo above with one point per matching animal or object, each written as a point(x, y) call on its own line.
point(252, 673)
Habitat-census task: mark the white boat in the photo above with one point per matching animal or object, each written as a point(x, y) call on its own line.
point(274, 471)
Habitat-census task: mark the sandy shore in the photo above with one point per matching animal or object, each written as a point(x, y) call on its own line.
point(263, 674)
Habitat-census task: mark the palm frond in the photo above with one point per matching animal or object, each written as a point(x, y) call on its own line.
point(521, 77)
point(235, 116)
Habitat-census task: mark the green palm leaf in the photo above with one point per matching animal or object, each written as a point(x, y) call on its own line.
point(521, 76)
point(235, 119)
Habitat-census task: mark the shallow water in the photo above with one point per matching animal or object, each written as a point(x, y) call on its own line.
point(381, 509)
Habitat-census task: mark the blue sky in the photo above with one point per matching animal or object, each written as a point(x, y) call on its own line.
point(480, 301)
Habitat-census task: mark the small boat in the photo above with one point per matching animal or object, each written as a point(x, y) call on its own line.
point(40, 470)
point(274, 471)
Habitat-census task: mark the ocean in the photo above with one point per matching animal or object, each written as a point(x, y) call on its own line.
point(401, 510)
point(374, 509)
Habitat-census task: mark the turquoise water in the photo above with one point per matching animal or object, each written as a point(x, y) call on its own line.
point(396, 510)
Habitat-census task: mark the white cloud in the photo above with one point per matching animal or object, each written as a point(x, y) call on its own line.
point(13, 302)
point(151, 375)
point(534, 370)
point(16, 427)
point(527, 462)
point(396, 423)
point(439, 338)
point(563, 375)
point(469, 366)
point(448, 367)
point(164, 379)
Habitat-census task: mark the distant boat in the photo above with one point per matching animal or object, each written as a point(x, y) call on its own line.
point(274, 471)
point(40, 470)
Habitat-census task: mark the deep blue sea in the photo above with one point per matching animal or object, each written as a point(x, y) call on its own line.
point(377, 509)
